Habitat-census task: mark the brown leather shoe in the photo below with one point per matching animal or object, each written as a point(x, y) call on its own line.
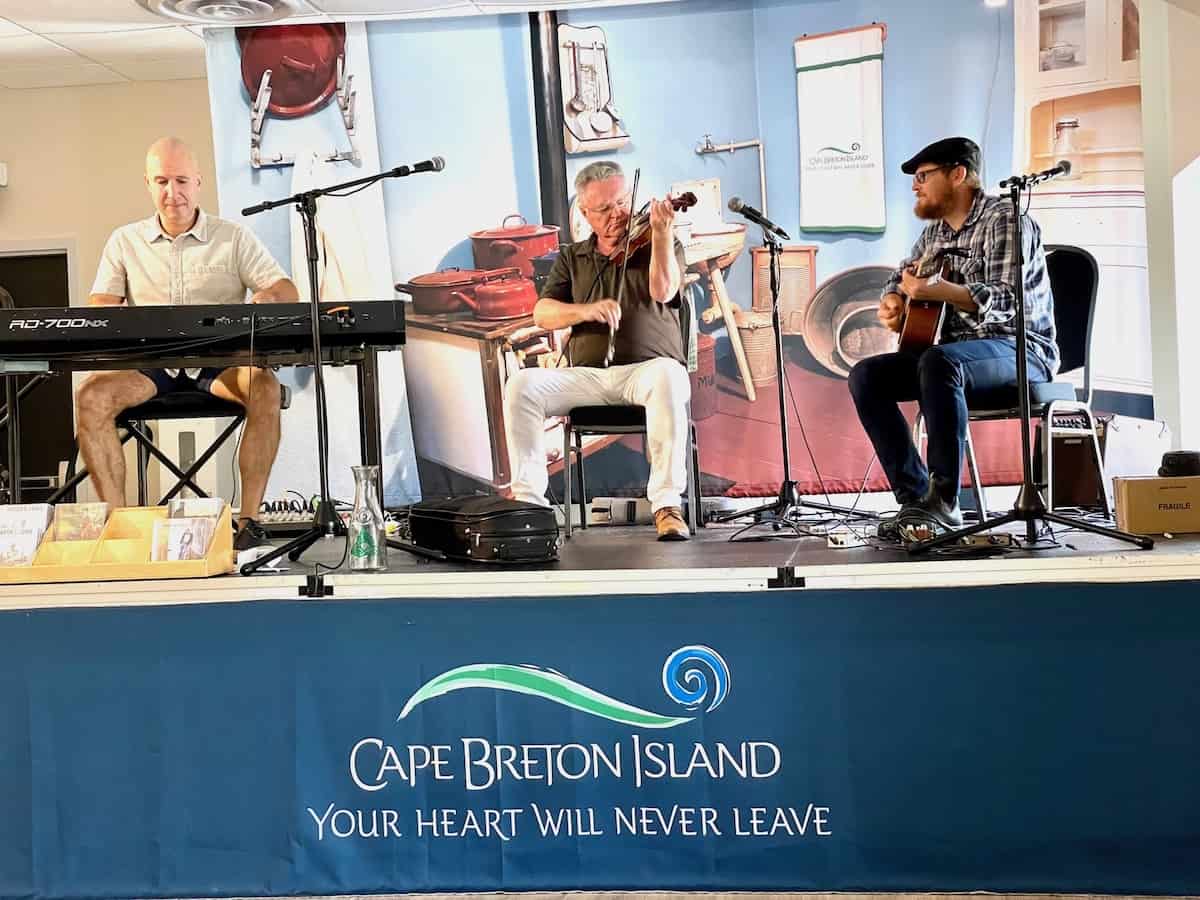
point(670, 524)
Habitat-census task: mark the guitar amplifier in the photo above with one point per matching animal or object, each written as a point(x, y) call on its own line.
point(797, 283)
point(1077, 479)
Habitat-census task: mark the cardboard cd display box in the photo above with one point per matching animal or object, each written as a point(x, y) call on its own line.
point(123, 553)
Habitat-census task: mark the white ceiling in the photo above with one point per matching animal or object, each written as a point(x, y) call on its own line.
point(55, 43)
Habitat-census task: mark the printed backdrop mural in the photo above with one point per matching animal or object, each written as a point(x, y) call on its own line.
point(706, 72)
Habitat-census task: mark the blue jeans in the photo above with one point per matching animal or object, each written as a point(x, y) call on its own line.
point(939, 379)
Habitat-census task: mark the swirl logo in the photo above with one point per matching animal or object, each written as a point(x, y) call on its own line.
point(686, 676)
point(686, 673)
point(854, 148)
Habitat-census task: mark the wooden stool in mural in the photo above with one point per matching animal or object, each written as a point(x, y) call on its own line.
point(710, 252)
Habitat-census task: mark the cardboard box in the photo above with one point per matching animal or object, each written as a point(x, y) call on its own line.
point(1151, 505)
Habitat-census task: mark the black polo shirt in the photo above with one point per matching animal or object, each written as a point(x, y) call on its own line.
point(648, 330)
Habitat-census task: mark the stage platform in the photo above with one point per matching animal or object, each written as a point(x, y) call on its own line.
point(693, 717)
point(628, 560)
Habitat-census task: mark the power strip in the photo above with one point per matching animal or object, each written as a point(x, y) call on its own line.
point(619, 511)
point(843, 538)
point(287, 517)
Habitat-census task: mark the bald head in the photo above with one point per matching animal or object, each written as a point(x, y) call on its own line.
point(173, 179)
point(173, 150)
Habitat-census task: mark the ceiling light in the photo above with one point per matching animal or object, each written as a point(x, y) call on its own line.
point(995, 3)
point(223, 12)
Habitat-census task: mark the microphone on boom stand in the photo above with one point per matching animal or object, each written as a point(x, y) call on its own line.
point(1061, 169)
point(326, 521)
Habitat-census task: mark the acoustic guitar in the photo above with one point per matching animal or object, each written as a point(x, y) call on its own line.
point(921, 326)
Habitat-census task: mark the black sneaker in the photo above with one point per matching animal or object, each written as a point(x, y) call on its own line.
point(250, 535)
point(946, 514)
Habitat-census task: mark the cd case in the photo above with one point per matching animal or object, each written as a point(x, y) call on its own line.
point(79, 521)
point(181, 538)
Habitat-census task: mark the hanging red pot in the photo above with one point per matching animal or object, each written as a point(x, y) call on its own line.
point(303, 63)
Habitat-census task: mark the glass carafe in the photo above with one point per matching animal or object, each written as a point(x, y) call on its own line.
point(1066, 146)
point(368, 539)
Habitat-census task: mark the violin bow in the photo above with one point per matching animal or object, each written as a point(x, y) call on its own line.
point(612, 332)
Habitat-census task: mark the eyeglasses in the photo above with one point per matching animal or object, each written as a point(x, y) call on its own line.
point(923, 176)
point(608, 209)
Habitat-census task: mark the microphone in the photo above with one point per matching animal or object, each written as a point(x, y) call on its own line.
point(749, 212)
point(436, 164)
point(429, 165)
point(1062, 168)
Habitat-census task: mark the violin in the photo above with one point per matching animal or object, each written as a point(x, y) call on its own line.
point(639, 228)
point(583, 349)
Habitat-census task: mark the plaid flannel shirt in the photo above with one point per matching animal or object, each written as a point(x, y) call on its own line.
point(987, 272)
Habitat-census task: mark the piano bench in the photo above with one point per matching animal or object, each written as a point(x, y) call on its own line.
point(179, 405)
point(183, 405)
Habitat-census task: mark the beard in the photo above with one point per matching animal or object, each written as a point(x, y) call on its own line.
point(931, 208)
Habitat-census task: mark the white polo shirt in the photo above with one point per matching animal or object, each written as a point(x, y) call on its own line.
point(215, 261)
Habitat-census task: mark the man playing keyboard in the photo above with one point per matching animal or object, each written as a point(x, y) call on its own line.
point(181, 255)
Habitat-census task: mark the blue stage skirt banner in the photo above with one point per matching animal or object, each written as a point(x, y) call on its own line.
point(1026, 738)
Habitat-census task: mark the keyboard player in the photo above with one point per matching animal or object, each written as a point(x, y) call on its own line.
point(182, 255)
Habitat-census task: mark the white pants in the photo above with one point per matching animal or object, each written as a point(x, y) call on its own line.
point(660, 385)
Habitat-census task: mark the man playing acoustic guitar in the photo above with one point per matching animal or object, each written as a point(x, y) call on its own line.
point(970, 233)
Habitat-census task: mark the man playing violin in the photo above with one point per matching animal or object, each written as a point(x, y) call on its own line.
point(648, 364)
point(978, 346)
point(182, 255)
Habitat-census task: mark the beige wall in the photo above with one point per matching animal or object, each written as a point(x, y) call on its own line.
point(75, 158)
point(1184, 30)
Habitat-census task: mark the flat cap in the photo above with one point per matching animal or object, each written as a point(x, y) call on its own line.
point(952, 151)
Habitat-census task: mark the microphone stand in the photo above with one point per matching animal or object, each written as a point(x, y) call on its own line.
point(326, 522)
point(789, 501)
point(1029, 508)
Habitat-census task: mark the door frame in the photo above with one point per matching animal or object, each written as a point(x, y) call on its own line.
point(67, 246)
point(54, 246)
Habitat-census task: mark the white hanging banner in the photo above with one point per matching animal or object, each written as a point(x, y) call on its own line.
point(839, 94)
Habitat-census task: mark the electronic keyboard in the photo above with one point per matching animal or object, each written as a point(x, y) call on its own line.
point(98, 334)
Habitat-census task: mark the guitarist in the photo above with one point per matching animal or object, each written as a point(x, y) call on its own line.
point(648, 367)
point(978, 347)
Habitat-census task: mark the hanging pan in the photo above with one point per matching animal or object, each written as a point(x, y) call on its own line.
point(303, 63)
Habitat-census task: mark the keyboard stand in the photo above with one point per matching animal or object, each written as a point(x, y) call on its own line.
point(12, 370)
point(365, 361)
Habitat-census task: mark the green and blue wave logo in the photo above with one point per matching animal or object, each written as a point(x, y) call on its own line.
point(694, 676)
point(854, 148)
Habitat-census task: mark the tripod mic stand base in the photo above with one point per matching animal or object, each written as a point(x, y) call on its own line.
point(788, 503)
point(326, 523)
point(1030, 519)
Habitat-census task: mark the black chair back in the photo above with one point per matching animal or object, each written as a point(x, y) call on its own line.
point(1074, 279)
